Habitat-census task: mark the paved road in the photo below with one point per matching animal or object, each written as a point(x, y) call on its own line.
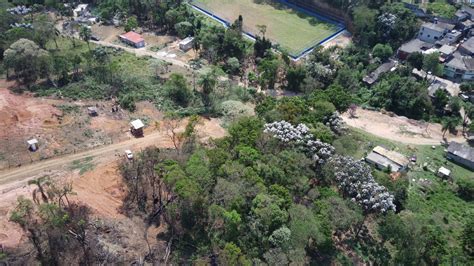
point(101, 154)
point(144, 52)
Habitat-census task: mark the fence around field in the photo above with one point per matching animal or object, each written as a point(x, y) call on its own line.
point(295, 55)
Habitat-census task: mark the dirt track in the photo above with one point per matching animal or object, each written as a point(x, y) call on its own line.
point(399, 128)
point(143, 52)
point(101, 155)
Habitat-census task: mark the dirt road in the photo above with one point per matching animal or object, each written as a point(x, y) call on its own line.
point(144, 52)
point(399, 128)
point(17, 177)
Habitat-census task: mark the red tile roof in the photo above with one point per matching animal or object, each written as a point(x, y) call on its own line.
point(132, 36)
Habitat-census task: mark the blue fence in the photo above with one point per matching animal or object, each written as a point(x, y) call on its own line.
point(339, 24)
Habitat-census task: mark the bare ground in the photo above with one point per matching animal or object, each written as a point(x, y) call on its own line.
point(399, 128)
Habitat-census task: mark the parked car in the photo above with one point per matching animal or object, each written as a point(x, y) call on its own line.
point(129, 154)
point(95, 38)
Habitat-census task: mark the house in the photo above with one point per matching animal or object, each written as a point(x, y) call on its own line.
point(467, 47)
point(443, 172)
point(461, 154)
point(384, 159)
point(451, 37)
point(413, 46)
point(461, 15)
point(132, 38)
point(137, 127)
point(384, 68)
point(186, 44)
point(446, 52)
point(460, 67)
point(32, 144)
point(432, 32)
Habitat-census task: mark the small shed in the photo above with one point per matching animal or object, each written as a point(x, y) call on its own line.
point(137, 127)
point(186, 44)
point(32, 144)
point(92, 111)
point(443, 172)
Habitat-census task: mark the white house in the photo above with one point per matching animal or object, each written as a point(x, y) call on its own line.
point(433, 32)
point(460, 67)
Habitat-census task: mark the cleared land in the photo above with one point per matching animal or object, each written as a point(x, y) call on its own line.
point(293, 30)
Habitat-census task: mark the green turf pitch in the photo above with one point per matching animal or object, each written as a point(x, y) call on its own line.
point(294, 31)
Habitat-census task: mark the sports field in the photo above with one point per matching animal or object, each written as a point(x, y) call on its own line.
point(295, 31)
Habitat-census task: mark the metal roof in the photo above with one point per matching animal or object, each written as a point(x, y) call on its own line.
point(444, 171)
point(137, 124)
point(132, 36)
point(391, 155)
point(462, 151)
point(376, 158)
point(32, 141)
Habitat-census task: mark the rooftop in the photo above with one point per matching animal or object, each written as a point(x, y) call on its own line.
point(132, 36)
point(447, 49)
point(462, 151)
point(438, 26)
point(187, 40)
point(468, 45)
point(434, 87)
point(374, 157)
point(444, 171)
point(137, 124)
point(384, 68)
point(32, 141)
point(460, 62)
point(415, 45)
point(392, 155)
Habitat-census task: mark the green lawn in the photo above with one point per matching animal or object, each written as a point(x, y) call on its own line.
point(294, 31)
point(428, 195)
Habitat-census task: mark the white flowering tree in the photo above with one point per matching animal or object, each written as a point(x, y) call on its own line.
point(355, 179)
point(301, 137)
point(336, 124)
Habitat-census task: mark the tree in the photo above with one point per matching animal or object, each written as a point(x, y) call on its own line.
point(431, 64)
point(208, 82)
point(382, 51)
point(44, 30)
point(440, 100)
point(365, 20)
point(232, 255)
point(132, 23)
point(27, 60)
point(268, 69)
point(416, 60)
point(468, 115)
point(295, 77)
point(246, 131)
point(449, 124)
point(85, 33)
point(184, 29)
point(178, 90)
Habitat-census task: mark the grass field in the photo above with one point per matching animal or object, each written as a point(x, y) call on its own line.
point(294, 31)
